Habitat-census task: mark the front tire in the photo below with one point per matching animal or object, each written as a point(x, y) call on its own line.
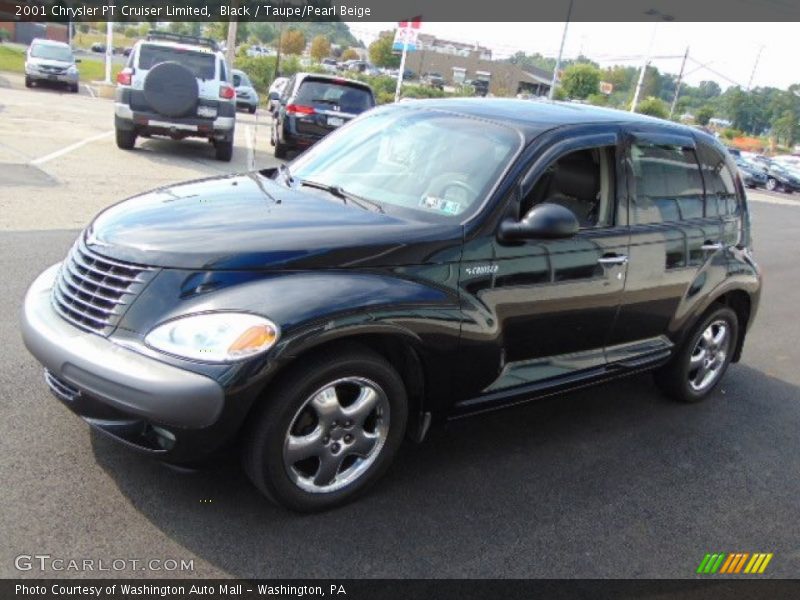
point(28, 82)
point(700, 363)
point(252, 110)
point(328, 431)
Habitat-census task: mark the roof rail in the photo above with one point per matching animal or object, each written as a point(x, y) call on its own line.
point(185, 39)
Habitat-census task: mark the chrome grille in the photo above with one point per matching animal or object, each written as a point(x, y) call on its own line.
point(93, 292)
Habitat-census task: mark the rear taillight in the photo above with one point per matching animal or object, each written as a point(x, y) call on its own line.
point(227, 92)
point(299, 110)
point(124, 77)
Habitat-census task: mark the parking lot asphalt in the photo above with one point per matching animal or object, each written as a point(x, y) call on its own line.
point(612, 481)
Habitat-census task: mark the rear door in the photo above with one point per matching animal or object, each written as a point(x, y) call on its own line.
point(323, 104)
point(673, 237)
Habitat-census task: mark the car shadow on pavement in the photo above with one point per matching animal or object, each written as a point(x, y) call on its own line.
point(164, 151)
point(612, 481)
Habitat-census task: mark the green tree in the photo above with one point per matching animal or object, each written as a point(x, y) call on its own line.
point(293, 42)
point(655, 107)
point(320, 48)
point(703, 115)
point(785, 128)
point(349, 54)
point(580, 80)
point(380, 53)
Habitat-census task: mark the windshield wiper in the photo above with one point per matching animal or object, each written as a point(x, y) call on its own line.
point(339, 192)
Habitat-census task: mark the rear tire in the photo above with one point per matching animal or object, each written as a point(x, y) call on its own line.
point(346, 451)
point(224, 150)
point(126, 140)
point(28, 82)
point(701, 362)
point(74, 88)
point(281, 151)
point(252, 110)
point(772, 184)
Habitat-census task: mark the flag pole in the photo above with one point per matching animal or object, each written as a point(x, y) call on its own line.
point(402, 62)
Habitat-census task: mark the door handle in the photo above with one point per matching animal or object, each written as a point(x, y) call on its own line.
point(616, 259)
point(711, 246)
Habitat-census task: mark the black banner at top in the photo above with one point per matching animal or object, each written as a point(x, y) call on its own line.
point(396, 10)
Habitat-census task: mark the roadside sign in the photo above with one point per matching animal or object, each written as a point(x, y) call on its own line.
point(407, 36)
point(606, 88)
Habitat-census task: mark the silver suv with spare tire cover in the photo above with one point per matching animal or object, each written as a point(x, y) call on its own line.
point(176, 86)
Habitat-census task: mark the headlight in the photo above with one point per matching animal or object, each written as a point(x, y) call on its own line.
point(72, 70)
point(215, 337)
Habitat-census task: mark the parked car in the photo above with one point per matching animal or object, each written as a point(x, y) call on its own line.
point(98, 47)
point(53, 62)
point(782, 178)
point(481, 87)
point(177, 86)
point(312, 105)
point(256, 51)
point(246, 94)
point(275, 91)
point(127, 51)
point(329, 65)
point(434, 80)
point(430, 260)
point(753, 175)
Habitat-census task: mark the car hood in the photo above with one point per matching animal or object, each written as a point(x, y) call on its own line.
point(250, 222)
point(49, 62)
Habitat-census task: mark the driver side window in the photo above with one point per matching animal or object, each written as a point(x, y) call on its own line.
point(582, 181)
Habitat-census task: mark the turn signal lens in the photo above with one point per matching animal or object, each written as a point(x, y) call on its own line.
point(253, 340)
point(227, 92)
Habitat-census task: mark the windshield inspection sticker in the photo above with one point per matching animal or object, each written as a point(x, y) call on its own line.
point(440, 204)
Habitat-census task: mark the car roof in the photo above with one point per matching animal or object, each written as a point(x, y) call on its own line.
point(180, 45)
point(333, 78)
point(535, 116)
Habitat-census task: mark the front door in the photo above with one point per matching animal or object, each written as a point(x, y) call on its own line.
point(541, 310)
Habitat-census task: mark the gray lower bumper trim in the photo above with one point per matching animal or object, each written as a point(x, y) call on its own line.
point(131, 382)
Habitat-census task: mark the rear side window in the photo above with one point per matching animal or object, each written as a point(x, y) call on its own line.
point(201, 64)
point(720, 183)
point(348, 98)
point(668, 184)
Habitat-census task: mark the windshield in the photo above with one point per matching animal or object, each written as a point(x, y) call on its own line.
point(241, 80)
point(201, 64)
point(433, 163)
point(49, 52)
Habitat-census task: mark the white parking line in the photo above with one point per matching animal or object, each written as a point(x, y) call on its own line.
point(90, 90)
point(249, 140)
point(67, 149)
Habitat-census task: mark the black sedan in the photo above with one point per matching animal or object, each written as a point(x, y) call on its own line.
point(753, 175)
point(782, 178)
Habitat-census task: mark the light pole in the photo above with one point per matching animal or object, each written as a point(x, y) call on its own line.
point(661, 17)
point(560, 53)
point(755, 64)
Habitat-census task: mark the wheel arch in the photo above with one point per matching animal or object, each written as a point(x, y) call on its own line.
point(400, 348)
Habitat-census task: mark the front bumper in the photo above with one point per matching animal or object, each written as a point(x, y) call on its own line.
point(36, 75)
point(126, 394)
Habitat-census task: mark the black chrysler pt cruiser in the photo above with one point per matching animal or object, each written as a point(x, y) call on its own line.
point(430, 260)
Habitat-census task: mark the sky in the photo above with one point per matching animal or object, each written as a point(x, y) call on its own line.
point(728, 50)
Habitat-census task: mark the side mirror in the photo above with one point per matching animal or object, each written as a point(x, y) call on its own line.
point(544, 221)
point(77, 60)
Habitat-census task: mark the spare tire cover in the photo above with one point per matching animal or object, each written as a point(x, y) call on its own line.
point(171, 89)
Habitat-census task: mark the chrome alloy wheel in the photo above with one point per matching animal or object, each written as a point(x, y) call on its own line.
point(708, 357)
point(336, 435)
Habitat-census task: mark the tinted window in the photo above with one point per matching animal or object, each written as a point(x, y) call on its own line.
point(241, 80)
point(719, 181)
point(348, 98)
point(668, 184)
point(583, 182)
point(202, 65)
